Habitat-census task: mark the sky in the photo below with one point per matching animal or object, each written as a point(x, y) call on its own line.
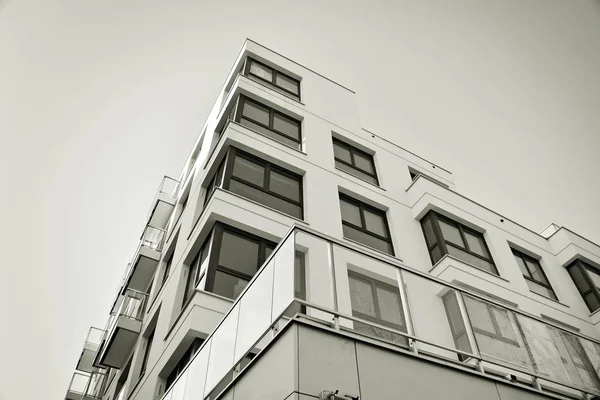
point(100, 99)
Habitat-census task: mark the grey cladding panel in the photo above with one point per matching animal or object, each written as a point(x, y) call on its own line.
point(385, 375)
point(326, 362)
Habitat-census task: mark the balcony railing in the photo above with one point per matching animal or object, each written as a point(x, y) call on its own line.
point(87, 386)
point(78, 383)
point(153, 238)
point(377, 297)
point(130, 305)
point(94, 336)
point(168, 186)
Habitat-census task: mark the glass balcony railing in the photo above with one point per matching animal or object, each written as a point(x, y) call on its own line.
point(376, 297)
point(169, 187)
point(95, 385)
point(153, 238)
point(94, 336)
point(78, 382)
point(131, 304)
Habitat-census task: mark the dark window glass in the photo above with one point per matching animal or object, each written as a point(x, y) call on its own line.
point(457, 324)
point(587, 281)
point(167, 269)
point(147, 353)
point(237, 256)
point(445, 236)
point(183, 361)
point(379, 302)
point(354, 161)
point(269, 122)
point(534, 275)
point(490, 320)
point(365, 224)
point(265, 183)
point(194, 272)
point(277, 80)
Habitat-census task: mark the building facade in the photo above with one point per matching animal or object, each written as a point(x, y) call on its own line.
point(299, 256)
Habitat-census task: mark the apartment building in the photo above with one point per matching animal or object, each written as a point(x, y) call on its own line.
point(300, 256)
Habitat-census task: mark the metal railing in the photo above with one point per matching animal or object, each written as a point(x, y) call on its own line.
point(153, 238)
point(94, 336)
point(78, 383)
point(168, 186)
point(315, 277)
point(131, 305)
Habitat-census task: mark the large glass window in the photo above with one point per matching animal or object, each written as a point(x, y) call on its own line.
point(445, 236)
point(183, 361)
point(236, 256)
point(534, 275)
point(379, 302)
point(354, 161)
point(269, 122)
point(194, 272)
point(265, 183)
point(365, 224)
point(587, 280)
point(276, 79)
point(147, 352)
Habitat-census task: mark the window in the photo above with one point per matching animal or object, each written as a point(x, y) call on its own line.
point(587, 280)
point(445, 236)
point(183, 361)
point(490, 320)
point(265, 183)
point(278, 80)
point(534, 275)
point(214, 183)
point(379, 302)
point(167, 269)
point(457, 324)
point(147, 352)
point(354, 161)
point(195, 268)
point(235, 257)
point(365, 224)
point(269, 122)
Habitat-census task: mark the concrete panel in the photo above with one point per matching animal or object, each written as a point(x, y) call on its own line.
point(273, 375)
point(508, 392)
point(326, 362)
point(385, 374)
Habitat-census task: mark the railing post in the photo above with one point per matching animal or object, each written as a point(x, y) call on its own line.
point(410, 328)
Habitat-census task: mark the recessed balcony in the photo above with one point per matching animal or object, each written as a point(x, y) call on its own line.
point(145, 261)
point(163, 203)
point(122, 330)
point(85, 386)
point(364, 296)
point(90, 348)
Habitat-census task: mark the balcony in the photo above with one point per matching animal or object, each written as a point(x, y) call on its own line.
point(354, 294)
point(142, 268)
point(90, 348)
point(122, 330)
point(163, 203)
point(86, 386)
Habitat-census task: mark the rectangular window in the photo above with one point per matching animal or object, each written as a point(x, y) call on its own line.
point(457, 324)
point(167, 269)
point(445, 236)
point(354, 161)
point(365, 224)
point(379, 302)
point(266, 183)
point(235, 257)
point(587, 281)
point(534, 275)
point(269, 122)
point(276, 79)
point(183, 361)
point(193, 277)
point(147, 352)
point(214, 183)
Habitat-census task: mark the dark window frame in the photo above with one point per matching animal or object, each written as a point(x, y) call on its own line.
point(364, 206)
point(226, 171)
point(234, 152)
point(375, 283)
point(147, 351)
point(242, 100)
point(213, 263)
point(353, 150)
point(168, 265)
point(273, 82)
point(435, 217)
point(194, 276)
point(584, 268)
point(526, 258)
point(497, 334)
point(181, 365)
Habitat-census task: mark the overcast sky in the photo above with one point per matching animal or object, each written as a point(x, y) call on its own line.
point(100, 99)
